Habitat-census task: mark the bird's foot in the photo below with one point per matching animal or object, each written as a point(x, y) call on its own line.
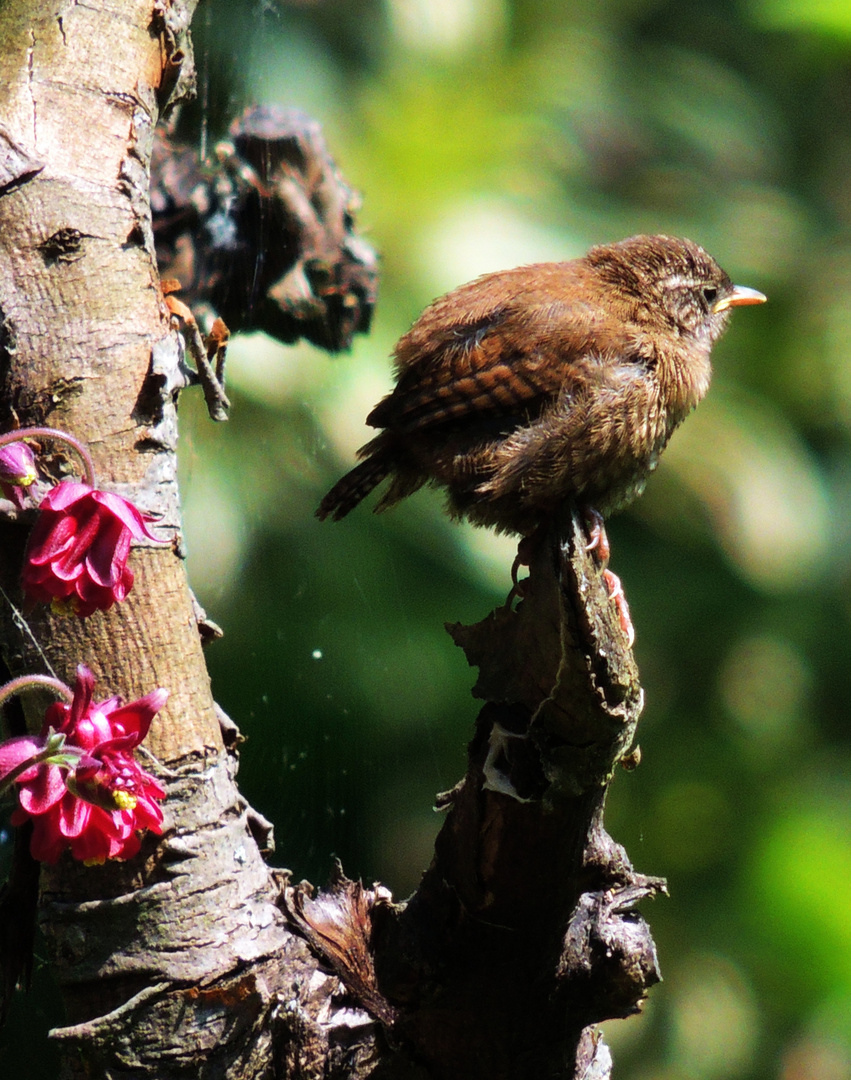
point(598, 539)
point(616, 593)
point(525, 554)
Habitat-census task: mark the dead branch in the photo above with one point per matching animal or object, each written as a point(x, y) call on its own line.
point(265, 234)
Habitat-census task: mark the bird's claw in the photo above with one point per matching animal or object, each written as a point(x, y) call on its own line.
point(616, 593)
point(598, 539)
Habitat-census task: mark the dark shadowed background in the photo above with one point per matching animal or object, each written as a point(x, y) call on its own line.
point(483, 134)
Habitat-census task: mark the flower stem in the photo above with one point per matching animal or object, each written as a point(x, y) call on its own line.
point(23, 682)
point(57, 436)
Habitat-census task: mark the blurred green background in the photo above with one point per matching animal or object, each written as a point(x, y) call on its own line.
point(483, 134)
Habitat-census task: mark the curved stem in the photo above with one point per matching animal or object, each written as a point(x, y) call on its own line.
point(23, 682)
point(57, 436)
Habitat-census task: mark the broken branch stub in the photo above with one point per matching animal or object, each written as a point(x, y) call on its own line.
point(523, 933)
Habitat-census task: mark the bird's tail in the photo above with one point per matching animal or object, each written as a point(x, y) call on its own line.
point(354, 486)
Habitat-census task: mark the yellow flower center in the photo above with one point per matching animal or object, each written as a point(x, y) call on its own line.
point(124, 800)
point(65, 607)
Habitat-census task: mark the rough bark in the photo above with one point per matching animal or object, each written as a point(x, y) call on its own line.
point(522, 934)
point(87, 346)
point(525, 879)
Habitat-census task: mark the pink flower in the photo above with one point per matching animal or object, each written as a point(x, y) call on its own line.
point(99, 807)
point(76, 557)
point(17, 471)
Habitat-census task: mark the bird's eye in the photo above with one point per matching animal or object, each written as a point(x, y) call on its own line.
point(710, 294)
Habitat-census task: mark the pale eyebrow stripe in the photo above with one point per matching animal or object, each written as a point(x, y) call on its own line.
point(678, 280)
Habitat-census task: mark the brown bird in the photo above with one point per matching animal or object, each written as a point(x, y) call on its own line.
point(546, 383)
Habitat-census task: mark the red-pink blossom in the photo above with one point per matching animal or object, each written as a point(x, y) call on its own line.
point(17, 471)
point(76, 558)
point(98, 808)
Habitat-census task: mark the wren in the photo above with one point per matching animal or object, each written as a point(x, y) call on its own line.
point(548, 383)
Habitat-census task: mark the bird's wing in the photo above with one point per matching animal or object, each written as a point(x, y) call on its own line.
point(510, 359)
point(484, 379)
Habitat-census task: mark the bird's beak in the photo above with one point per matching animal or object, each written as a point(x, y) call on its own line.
point(739, 296)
